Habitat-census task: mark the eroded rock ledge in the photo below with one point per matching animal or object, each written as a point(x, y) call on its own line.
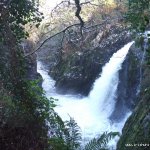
point(77, 70)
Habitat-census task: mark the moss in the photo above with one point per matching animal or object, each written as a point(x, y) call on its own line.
point(134, 64)
point(137, 127)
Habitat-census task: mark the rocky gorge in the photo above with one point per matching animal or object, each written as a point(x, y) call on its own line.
point(74, 75)
point(76, 70)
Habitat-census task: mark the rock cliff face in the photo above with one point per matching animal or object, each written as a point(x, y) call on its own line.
point(31, 61)
point(129, 82)
point(76, 72)
point(77, 69)
point(136, 132)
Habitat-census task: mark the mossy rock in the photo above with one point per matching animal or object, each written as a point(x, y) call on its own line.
point(136, 132)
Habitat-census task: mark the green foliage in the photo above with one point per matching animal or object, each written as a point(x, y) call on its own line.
point(68, 137)
point(57, 144)
point(6, 106)
point(101, 142)
point(34, 113)
point(19, 13)
point(72, 134)
point(138, 14)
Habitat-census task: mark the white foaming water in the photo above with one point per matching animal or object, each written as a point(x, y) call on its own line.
point(91, 113)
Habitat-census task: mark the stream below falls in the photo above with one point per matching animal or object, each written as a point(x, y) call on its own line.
point(91, 113)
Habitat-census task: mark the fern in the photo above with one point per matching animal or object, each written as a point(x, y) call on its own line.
point(73, 134)
point(57, 144)
point(64, 135)
point(101, 142)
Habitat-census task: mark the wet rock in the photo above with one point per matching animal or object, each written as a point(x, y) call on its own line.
point(137, 127)
point(31, 61)
point(76, 72)
point(129, 82)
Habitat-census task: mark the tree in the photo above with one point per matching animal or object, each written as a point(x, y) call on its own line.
point(17, 14)
point(26, 109)
point(138, 14)
point(138, 17)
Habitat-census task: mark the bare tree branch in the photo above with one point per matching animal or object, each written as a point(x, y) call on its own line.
point(67, 28)
point(63, 31)
point(62, 40)
point(89, 3)
point(96, 25)
point(48, 32)
point(77, 14)
point(69, 3)
point(58, 5)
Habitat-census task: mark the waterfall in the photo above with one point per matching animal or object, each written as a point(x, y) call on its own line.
point(92, 112)
point(48, 83)
point(104, 88)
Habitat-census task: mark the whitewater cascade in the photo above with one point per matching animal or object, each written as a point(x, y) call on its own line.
point(92, 112)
